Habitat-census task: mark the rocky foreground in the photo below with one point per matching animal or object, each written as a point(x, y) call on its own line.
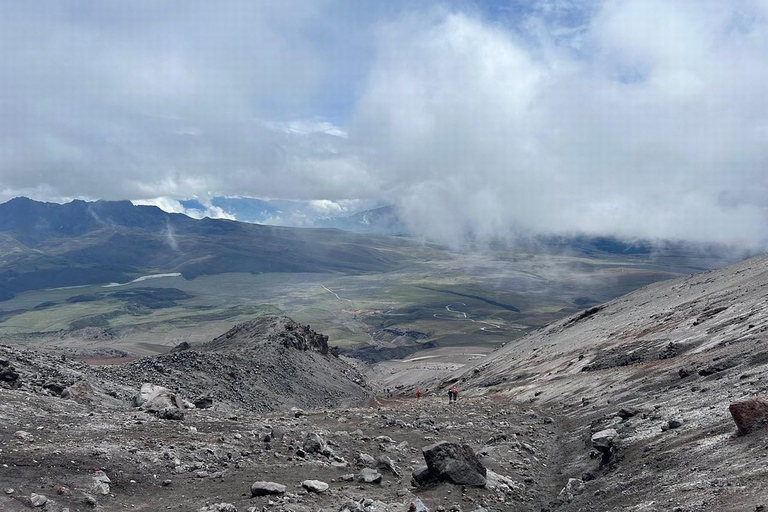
point(86, 457)
point(625, 406)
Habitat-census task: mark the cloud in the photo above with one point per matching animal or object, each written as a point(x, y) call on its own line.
point(174, 206)
point(635, 118)
point(642, 123)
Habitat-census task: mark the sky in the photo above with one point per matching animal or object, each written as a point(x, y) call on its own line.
point(630, 118)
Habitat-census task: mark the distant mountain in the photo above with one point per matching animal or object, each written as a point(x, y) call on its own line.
point(52, 245)
point(382, 221)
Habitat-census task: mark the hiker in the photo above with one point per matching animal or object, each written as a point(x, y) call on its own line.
point(455, 393)
point(450, 396)
point(418, 393)
point(388, 393)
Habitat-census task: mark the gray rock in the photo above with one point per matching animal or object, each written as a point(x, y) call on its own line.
point(314, 444)
point(80, 392)
point(365, 460)
point(573, 488)
point(314, 486)
point(38, 500)
point(422, 477)
point(101, 483)
point(675, 423)
point(218, 507)
point(455, 463)
point(605, 440)
point(261, 488)
point(278, 433)
point(384, 462)
point(369, 476)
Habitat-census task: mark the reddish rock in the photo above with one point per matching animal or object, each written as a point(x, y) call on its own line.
point(748, 412)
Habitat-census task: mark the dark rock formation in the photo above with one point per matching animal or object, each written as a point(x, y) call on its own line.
point(451, 462)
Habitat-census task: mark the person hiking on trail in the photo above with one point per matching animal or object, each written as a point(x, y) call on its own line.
point(418, 393)
point(450, 395)
point(455, 393)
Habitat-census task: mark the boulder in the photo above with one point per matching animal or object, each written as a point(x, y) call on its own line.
point(7, 372)
point(314, 486)
point(605, 440)
point(261, 488)
point(218, 507)
point(160, 401)
point(573, 488)
point(278, 433)
point(422, 477)
point(366, 461)
point(314, 444)
point(203, 402)
point(55, 387)
point(101, 483)
point(149, 392)
point(38, 500)
point(384, 462)
point(369, 476)
point(748, 412)
point(455, 463)
point(80, 392)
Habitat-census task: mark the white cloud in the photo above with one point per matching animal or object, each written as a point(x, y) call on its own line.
point(170, 205)
point(626, 117)
point(641, 133)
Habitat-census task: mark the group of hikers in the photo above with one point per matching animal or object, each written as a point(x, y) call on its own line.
point(453, 394)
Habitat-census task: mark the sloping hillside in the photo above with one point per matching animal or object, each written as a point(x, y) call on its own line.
point(660, 366)
point(49, 245)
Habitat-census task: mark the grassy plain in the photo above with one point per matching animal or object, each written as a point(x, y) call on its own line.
point(452, 299)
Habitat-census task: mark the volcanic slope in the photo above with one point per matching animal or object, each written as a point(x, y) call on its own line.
point(267, 364)
point(660, 366)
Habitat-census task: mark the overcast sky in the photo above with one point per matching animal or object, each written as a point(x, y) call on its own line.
point(639, 118)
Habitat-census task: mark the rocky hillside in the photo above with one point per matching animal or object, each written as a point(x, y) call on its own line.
point(657, 369)
point(267, 364)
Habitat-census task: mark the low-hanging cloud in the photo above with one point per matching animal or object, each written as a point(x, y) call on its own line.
point(634, 118)
point(645, 123)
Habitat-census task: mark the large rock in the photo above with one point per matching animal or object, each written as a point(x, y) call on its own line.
point(160, 401)
point(7, 372)
point(384, 462)
point(455, 463)
point(314, 444)
point(369, 476)
point(266, 488)
point(150, 392)
point(80, 392)
point(573, 488)
point(101, 483)
point(748, 412)
point(218, 507)
point(605, 440)
point(314, 486)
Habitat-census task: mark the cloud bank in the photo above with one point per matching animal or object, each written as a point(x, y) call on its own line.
point(635, 118)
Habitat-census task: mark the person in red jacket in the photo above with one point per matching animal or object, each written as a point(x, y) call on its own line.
point(455, 393)
point(418, 393)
